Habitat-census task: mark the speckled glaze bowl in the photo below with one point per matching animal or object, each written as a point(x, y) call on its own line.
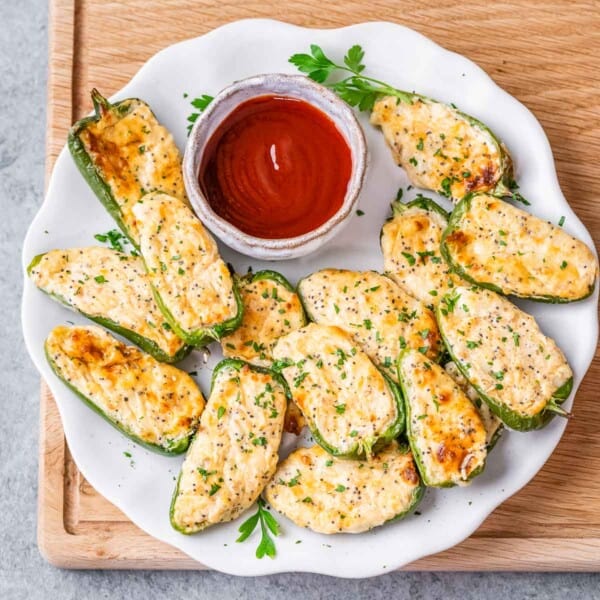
point(295, 86)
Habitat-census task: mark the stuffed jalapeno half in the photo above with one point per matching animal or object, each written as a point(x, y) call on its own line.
point(351, 408)
point(271, 309)
point(503, 248)
point(192, 285)
point(493, 424)
point(235, 450)
point(443, 149)
point(123, 152)
point(410, 243)
point(377, 314)
point(333, 495)
point(112, 289)
point(154, 404)
point(444, 429)
point(518, 371)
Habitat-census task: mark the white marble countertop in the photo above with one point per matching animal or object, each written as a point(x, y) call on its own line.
point(23, 572)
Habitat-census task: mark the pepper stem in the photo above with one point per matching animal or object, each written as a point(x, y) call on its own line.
point(101, 104)
point(557, 409)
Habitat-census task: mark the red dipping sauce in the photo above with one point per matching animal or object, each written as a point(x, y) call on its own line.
point(276, 167)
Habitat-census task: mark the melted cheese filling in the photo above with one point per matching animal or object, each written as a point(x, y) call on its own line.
point(340, 392)
point(155, 402)
point(134, 154)
point(444, 427)
point(183, 263)
point(103, 283)
point(439, 149)
point(379, 316)
point(332, 495)
point(497, 243)
point(270, 311)
point(234, 453)
point(410, 243)
point(490, 421)
point(506, 355)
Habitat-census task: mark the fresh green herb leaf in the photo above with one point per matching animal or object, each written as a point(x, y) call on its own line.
point(356, 89)
point(449, 301)
point(200, 104)
point(268, 526)
point(409, 258)
point(205, 474)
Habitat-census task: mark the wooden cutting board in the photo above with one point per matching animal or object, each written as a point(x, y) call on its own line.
point(546, 56)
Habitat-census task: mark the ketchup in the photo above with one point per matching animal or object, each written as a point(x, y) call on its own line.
point(276, 167)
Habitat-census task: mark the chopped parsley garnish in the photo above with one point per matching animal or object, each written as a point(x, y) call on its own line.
point(409, 258)
point(205, 474)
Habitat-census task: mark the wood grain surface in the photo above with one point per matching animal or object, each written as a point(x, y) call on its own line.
point(545, 53)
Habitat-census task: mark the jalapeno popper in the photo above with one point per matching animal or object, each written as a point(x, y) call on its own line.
point(154, 404)
point(351, 408)
point(123, 152)
point(519, 372)
point(112, 289)
point(234, 453)
point(446, 434)
point(271, 309)
point(443, 149)
point(333, 495)
point(410, 242)
point(192, 285)
point(493, 424)
point(496, 245)
point(379, 316)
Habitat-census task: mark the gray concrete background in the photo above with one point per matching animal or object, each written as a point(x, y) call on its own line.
point(23, 572)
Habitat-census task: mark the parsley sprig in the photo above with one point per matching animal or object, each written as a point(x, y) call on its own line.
point(356, 89)
point(267, 524)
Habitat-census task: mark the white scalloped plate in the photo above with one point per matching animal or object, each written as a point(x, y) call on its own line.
point(141, 486)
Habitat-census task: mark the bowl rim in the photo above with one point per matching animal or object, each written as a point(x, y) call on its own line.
point(266, 84)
